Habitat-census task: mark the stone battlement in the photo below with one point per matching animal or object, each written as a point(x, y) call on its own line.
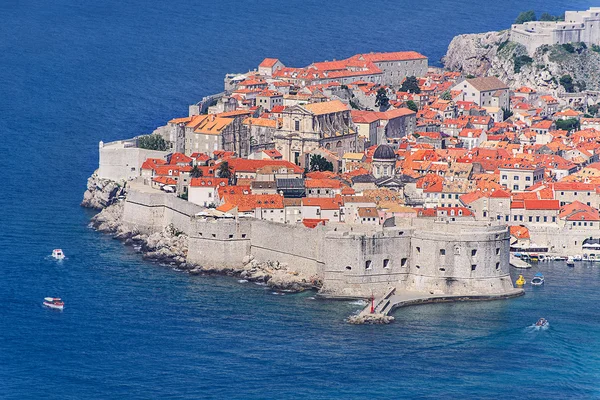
point(437, 257)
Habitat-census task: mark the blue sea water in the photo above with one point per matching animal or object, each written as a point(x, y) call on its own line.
point(76, 72)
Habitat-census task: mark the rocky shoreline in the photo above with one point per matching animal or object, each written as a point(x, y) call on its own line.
point(170, 246)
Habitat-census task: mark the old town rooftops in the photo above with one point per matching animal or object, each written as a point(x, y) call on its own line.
point(245, 165)
point(390, 56)
point(326, 107)
point(208, 182)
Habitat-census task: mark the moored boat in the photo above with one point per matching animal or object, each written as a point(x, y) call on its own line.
point(570, 262)
point(58, 254)
point(54, 303)
point(538, 279)
point(520, 281)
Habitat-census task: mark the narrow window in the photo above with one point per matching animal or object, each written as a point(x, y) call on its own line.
point(386, 263)
point(473, 267)
point(497, 265)
point(418, 249)
point(403, 262)
point(368, 264)
point(230, 236)
point(349, 268)
point(442, 252)
point(473, 253)
point(497, 250)
point(243, 235)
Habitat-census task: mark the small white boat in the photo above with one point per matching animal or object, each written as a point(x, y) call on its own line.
point(538, 279)
point(577, 258)
point(541, 323)
point(54, 303)
point(570, 262)
point(58, 254)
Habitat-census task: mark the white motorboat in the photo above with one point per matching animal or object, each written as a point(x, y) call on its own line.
point(54, 302)
point(58, 254)
point(570, 262)
point(538, 279)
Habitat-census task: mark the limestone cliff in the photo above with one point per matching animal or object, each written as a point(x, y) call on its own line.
point(493, 54)
point(101, 193)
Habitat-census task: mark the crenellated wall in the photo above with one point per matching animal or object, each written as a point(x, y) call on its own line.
point(437, 257)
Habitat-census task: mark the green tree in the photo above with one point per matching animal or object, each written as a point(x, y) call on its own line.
point(410, 84)
point(549, 17)
point(381, 99)
point(567, 82)
point(567, 124)
point(320, 163)
point(196, 172)
point(593, 110)
point(446, 95)
point(411, 105)
point(525, 16)
point(569, 47)
point(225, 170)
point(521, 61)
point(152, 142)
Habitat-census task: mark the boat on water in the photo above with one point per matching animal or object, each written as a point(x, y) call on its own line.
point(520, 281)
point(54, 302)
point(542, 322)
point(570, 262)
point(534, 257)
point(560, 258)
point(538, 279)
point(58, 254)
point(577, 258)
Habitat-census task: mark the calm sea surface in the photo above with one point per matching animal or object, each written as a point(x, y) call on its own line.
point(76, 72)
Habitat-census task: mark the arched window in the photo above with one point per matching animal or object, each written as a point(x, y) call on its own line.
point(338, 144)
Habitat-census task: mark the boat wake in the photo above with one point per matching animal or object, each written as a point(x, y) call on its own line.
point(242, 281)
point(535, 328)
point(359, 303)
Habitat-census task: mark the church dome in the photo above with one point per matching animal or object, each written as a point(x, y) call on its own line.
point(384, 152)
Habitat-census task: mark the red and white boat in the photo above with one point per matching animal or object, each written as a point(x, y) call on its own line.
point(54, 302)
point(58, 254)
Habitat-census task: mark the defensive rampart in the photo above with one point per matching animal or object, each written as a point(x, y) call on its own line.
point(421, 255)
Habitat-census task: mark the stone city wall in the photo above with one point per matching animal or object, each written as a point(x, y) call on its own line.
point(352, 260)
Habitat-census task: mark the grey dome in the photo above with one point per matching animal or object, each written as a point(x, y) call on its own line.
point(384, 152)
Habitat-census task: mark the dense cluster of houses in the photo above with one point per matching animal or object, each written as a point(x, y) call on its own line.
point(454, 147)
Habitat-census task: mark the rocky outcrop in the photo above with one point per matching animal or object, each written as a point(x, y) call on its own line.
point(473, 54)
point(170, 247)
point(493, 54)
point(101, 193)
point(370, 319)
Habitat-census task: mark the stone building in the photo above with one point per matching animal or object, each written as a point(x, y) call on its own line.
point(486, 92)
point(305, 128)
point(384, 161)
point(578, 26)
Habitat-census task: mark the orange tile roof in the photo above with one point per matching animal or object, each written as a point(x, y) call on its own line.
point(326, 107)
point(268, 62)
point(208, 182)
point(323, 203)
point(519, 231)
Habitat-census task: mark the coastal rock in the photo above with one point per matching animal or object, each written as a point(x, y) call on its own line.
point(493, 54)
point(101, 193)
point(370, 319)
